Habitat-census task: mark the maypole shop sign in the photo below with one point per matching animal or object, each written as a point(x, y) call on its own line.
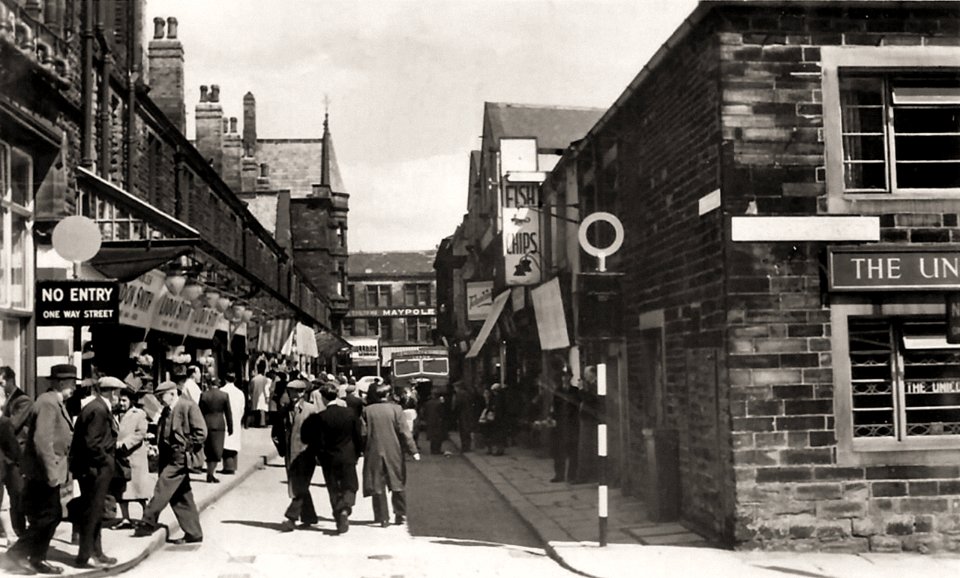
point(857, 269)
point(77, 303)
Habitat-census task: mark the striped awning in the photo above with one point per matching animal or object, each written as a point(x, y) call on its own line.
point(274, 334)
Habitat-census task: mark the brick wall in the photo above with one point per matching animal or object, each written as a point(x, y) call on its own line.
point(790, 491)
point(668, 157)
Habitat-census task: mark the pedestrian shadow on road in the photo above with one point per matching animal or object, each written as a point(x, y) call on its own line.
point(312, 484)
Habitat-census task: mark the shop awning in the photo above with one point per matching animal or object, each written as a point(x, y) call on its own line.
point(127, 260)
point(329, 343)
point(274, 334)
point(488, 323)
point(551, 320)
point(302, 341)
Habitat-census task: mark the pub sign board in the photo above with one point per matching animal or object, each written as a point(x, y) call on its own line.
point(894, 269)
point(77, 303)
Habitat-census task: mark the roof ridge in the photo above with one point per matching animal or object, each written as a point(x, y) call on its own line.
point(543, 106)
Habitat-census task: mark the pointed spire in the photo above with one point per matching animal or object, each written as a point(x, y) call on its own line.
point(325, 153)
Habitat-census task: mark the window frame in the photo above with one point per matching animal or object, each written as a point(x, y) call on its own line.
point(865, 451)
point(9, 208)
point(884, 60)
point(417, 290)
point(381, 290)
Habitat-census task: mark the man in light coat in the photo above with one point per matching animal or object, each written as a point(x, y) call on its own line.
point(49, 434)
point(300, 463)
point(232, 443)
point(383, 465)
point(181, 430)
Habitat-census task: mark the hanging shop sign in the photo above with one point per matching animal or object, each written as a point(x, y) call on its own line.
point(885, 269)
point(77, 303)
point(551, 318)
point(139, 299)
point(146, 303)
point(204, 322)
point(394, 312)
point(479, 300)
point(521, 233)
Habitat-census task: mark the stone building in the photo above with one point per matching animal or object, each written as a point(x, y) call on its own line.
point(393, 298)
point(786, 173)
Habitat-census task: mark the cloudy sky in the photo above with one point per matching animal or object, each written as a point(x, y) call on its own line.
point(407, 80)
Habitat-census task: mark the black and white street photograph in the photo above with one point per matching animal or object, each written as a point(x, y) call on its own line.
point(480, 288)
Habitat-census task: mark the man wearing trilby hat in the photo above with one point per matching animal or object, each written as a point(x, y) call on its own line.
point(49, 433)
point(300, 463)
point(92, 461)
point(181, 430)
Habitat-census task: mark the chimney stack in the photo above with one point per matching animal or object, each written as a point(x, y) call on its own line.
point(165, 58)
point(263, 180)
point(249, 125)
point(232, 153)
point(209, 119)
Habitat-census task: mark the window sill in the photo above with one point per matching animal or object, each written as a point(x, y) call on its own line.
point(904, 456)
point(883, 203)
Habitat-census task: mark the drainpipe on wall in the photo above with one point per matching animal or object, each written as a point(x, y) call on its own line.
point(132, 78)
point(86, 137)
point(103, 92)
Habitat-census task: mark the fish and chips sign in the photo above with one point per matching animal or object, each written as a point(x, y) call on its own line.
point(77, 303)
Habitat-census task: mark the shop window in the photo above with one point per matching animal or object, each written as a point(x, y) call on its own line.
point(416, 294)
point(898, 381)
point(378, 296)
point(16, 216)
point(891, 127)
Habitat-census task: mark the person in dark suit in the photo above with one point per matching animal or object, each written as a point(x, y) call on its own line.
point(566, 407)
point(335, 437)
point(353, 402)
point(44, 461)
point(17, 409)
point(217, 414)
point(434, 422)
point(92, 462)
point(300, 463)
point(181, 429)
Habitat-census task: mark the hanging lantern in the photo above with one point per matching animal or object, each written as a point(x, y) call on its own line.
point(212, 298)
point(239, 309)
point(192, 291)
point(247, 316)
point(175, 283)
point(223, 304)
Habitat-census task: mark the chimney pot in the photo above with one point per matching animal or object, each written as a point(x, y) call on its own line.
point(203, 93)
point(264, 170)
point(226, 125)
point(214, 93)
point(158, 28)
point(172, 28)
point(233, 124)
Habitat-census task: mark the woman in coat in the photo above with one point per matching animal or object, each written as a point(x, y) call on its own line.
point(132, 445)
point(218, 416)
point(383, 465)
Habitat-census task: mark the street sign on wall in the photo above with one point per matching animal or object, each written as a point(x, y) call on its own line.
point(77, 303)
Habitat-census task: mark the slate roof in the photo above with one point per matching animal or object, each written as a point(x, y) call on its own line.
point(295, 164)
point(554, 127)
point(391, 264)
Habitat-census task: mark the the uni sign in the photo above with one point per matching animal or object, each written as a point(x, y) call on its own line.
point(921, 269)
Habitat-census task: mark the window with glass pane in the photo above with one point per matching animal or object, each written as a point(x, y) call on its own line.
point(905, 379)
point(378, 296)
point(348, 327)
point(901, 132)
point(385, 330)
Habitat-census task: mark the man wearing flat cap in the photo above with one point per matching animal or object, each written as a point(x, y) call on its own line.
point(181, 430)
point(44, 460)
point(92, 461)
point(300, 463)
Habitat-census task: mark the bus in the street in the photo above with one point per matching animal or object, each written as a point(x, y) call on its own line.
point(426, 368)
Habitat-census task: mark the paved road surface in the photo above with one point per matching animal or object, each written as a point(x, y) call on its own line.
point(460, 528)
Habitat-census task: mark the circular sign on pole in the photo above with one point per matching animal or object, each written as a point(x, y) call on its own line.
point(77, 238)
point(601, 253)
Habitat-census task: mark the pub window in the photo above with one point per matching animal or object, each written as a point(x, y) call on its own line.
point(901, 132)
point(904, 381)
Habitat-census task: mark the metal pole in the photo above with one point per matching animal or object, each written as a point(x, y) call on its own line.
point(602, 451)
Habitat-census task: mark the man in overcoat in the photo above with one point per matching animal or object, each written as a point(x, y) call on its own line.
point(335, 437)
point(383, 465)
point(181, 430)
point(44, 461)
point(17, 408)
point(92, 461)
point(300, 463)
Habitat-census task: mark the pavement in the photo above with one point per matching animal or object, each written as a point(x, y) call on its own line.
point(129, 551)
point(564, 516)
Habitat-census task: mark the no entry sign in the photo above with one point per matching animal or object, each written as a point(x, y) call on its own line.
point(76, 303)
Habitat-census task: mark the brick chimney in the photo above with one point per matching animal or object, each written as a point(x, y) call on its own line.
point(209, 118)
point(232, 153)
point(165, 74)
point(249, 125)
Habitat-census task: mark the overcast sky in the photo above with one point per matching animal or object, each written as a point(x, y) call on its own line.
point(407, 80)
